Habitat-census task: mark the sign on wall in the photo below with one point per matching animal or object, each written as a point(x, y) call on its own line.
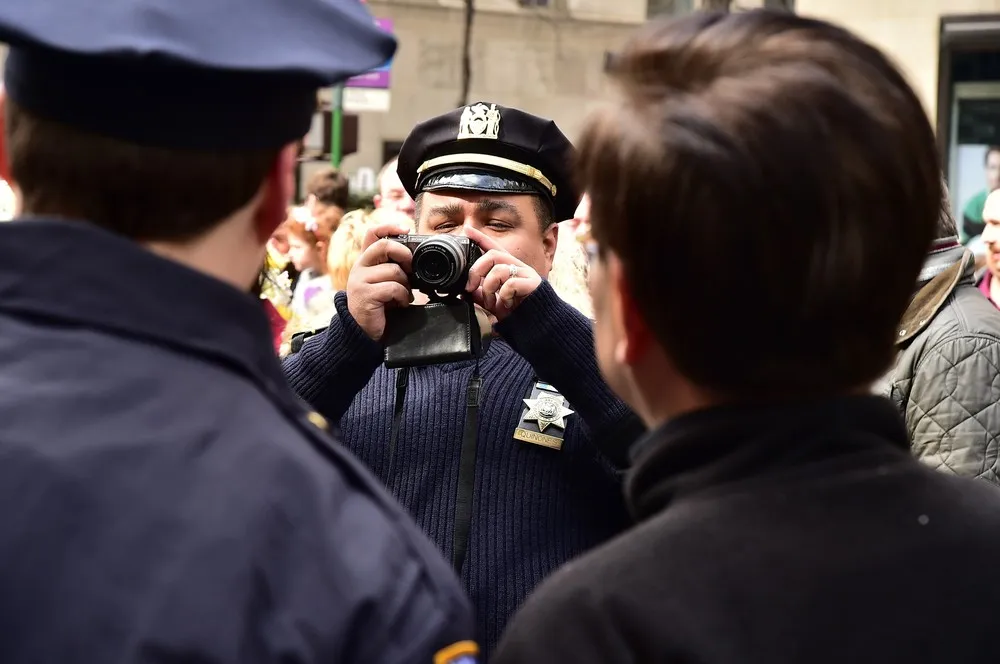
point(379, 77)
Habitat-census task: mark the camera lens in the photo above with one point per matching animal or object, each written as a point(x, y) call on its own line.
point(439, 262)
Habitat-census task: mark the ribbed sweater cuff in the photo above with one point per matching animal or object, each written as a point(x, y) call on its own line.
point(332, 367)
point(558, 342)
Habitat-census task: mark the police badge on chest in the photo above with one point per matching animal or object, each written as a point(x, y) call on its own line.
point(543, 420)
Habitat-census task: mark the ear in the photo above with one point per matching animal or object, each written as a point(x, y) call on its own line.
point(550, 240)
point(635, 337)
point(377, 200)
point(277, 192)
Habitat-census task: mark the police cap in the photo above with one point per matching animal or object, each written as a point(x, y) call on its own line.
point(198, 74)
point(490, 148)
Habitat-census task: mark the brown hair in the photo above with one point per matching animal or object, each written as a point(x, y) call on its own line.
point(142, 193)
point(792, 154)
point(330, 187)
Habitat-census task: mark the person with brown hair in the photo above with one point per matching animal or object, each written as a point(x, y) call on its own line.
point(780, 515)
point(329, 188)
point(164, 496)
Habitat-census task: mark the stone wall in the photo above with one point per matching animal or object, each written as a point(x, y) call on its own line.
point(908, 30)
point(548, 61)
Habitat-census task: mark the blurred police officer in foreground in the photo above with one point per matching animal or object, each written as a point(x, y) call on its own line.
point(510, 465)
point(782, 518)
point(165, 497)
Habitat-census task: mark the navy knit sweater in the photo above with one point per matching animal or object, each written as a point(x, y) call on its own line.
point(534, 508)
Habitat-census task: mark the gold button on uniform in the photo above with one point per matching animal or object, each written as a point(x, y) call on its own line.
point(318, 420)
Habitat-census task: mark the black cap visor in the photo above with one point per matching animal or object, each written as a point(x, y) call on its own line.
point(483, 179)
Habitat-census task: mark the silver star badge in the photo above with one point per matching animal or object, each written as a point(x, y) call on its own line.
point(547, 411)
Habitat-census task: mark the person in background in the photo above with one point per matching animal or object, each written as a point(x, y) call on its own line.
point(972, 215)
point(328, 195)
point(948, 344)
point(348, 240)
point(391, 193)
point(164, 496)
point(308, 242)
point(267, 290)
point(989, 282)
point(345, 247)
point(781, 516)
point(569, 268)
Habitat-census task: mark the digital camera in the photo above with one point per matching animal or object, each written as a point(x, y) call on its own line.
point(440, 262)
point(449, 328)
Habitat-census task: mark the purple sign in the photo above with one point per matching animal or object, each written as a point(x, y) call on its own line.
point(379, 77)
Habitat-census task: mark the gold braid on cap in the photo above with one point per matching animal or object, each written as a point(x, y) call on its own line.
point(489, 160)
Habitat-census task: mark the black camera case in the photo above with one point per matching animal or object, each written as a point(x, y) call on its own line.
point(449, 328)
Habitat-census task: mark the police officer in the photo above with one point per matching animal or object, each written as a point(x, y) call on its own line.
point(510, 465)
point(163, 495)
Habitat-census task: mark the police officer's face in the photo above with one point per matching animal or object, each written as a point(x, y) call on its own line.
point(511, 220)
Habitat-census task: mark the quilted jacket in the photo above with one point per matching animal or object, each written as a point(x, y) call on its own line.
point(946, 379)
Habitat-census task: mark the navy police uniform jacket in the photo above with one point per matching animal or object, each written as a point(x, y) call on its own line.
point(164, 497)
point(538, 501)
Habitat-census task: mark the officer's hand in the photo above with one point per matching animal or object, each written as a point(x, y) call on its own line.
point(378, 279)
point(498, 281)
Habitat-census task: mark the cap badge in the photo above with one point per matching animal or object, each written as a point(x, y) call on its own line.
point(480, 121)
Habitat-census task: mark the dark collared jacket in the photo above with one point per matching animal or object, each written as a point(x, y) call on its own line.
point(163, 495)
point(800, 534)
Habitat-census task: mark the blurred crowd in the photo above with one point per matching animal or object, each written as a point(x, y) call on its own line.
point(311, 254)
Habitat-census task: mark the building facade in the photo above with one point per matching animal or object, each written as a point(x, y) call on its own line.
point(544, 56)
point(950, 50)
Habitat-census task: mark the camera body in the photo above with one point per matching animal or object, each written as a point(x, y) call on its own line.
point(449, 328)
point(440, 262)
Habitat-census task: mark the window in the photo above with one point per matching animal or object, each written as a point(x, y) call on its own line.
point(669, 7)
point(390, 150)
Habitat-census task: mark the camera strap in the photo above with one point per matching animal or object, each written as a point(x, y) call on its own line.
point(402, 380)
point(466, 462)
point(467, 470)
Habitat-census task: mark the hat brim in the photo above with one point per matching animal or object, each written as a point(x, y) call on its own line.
point(464, 178)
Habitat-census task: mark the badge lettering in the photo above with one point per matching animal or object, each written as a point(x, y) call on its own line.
point(536, 438)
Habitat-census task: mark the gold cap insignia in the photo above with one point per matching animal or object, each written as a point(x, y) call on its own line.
point(480, 121)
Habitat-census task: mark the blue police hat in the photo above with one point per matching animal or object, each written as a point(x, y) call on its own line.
point(187, 74)
point(491, 148)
